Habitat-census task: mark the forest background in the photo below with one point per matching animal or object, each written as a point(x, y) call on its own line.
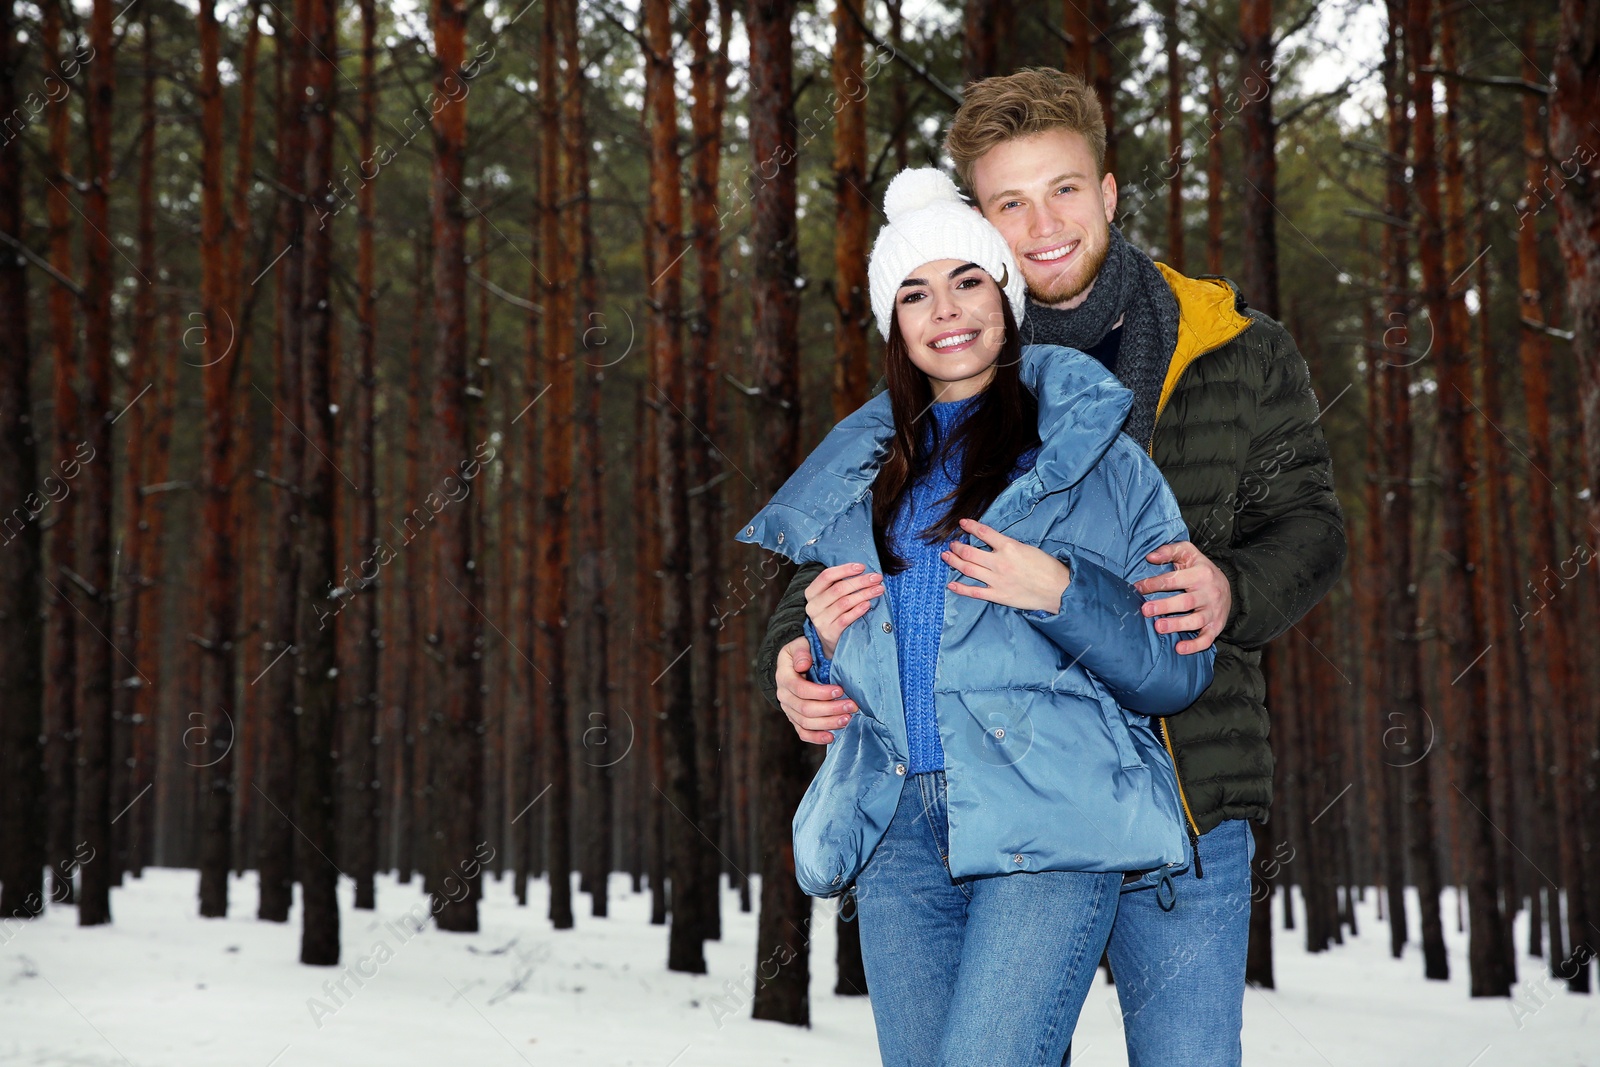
point(382, 387)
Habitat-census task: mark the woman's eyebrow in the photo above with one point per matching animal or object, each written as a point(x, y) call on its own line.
point(923, 281)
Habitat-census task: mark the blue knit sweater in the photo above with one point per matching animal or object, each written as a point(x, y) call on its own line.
point(916, 595)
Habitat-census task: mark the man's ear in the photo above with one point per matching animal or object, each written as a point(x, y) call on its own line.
point(1108, 193)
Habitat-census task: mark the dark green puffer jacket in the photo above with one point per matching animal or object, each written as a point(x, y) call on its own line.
point(1238, 438)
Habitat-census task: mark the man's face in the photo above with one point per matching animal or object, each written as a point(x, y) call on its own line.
point(1041, 194)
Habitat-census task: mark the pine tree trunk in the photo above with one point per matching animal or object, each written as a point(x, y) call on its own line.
point(980, 47)
point(60, 541)
point(1538, 676)
point(851, 363)
point(1391, 378)
point(93, 668)
point(1574, 108)
point(22, 823)
point(1079, 39)
point(1508, 703)
point(646, 596)
point(281, 649)
point(709, 76)
point(783, 768)
point(317, 624)
point(456, 764)
point(556, 469)
point(1175, 154)
point(1460, 619)
point(674, 687)
point(604, 742)
point(219, 364)
point(1260, 274)
point(1384, 837)
point(1102, 17)
point(152, 426)
point(1214, 169)
point(411, 817)
point(365, 789)
point(1258, 969)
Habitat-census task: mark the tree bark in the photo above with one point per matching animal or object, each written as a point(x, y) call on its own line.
point(782, 764)
point(1260, 274)
point(456, 764)
point(317, 625)
point(980, 47)
point(410, 807)
point(94, 669)
point(708, 468)
point(365, 788)
point(281, 649)
point(22, 823)
point(60, 538)
point(1460, 619)
point(852, 367)
point(1574, 108)
point(150, 432)
point(674, 689)
point(556, 470)
point(219, 365)
point(1214, 170)
point(1175, 155)
point(1391, 541)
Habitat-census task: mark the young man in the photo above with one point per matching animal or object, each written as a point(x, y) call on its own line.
point(1224, 404)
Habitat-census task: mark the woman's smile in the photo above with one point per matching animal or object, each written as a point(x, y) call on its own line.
point(954, 340)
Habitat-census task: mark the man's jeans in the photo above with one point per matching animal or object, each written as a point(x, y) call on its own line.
point(1180, 973)
point(989, 970)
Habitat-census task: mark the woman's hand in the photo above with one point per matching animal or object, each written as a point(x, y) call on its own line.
point(838, 597)
point(1013, 573)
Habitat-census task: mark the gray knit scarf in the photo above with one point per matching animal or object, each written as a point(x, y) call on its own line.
point(1128, 286)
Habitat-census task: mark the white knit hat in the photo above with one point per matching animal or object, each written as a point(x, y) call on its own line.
point(928, 220)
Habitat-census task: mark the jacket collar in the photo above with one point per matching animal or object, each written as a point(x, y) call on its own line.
point(1210, 314)
point(1081, 411)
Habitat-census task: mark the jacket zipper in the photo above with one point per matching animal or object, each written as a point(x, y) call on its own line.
point(1193, 827)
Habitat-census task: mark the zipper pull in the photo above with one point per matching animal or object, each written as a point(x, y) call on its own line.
point(1194, 843)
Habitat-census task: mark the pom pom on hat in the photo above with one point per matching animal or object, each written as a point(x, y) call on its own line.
point(916, 188)
point(928, 221)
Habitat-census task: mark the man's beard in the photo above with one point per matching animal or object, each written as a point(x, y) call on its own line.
point(1062, 288)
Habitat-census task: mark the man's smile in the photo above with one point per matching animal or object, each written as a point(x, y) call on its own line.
point(1054, 253)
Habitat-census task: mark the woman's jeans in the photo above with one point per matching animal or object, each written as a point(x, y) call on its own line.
point(987, 970)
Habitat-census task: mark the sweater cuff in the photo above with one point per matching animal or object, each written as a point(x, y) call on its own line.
point(820, 665)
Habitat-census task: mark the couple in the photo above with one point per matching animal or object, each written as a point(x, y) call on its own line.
point(1031, 604)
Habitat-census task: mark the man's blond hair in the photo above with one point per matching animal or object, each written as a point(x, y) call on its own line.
point(1032, 100)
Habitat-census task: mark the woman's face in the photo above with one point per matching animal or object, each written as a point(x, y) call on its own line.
point(951, 318)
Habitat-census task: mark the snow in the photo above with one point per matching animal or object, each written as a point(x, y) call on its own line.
point(162, 986)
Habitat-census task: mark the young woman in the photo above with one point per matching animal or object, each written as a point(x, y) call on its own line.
point(999, 784)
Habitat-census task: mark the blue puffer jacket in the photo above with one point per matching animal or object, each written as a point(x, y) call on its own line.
point(1050, 759)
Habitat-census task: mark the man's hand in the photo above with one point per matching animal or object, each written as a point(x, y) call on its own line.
point(1204, 600)
point(812, 709)
point(1013, 573)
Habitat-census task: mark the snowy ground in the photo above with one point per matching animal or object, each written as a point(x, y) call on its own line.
point(162, 987)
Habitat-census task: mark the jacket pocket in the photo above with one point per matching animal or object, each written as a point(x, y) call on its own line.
point(1115, 717)
point(846, 809)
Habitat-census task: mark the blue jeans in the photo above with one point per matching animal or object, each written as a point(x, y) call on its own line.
point(1180, 973)
point(989, 970)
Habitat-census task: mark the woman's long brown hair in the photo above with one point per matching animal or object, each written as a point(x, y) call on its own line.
point(1001, 427)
